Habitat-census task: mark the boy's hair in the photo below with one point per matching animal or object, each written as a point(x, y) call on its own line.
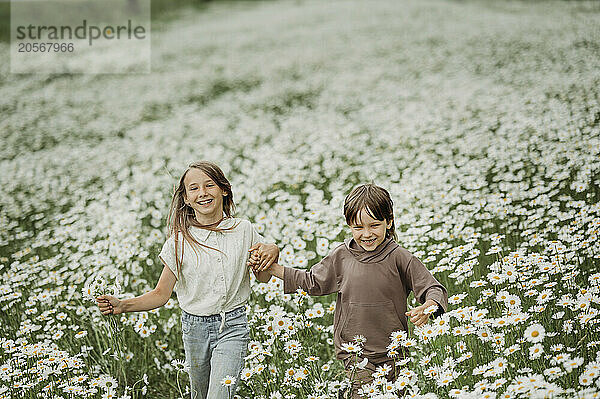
point(182, 216)
point(376, 201)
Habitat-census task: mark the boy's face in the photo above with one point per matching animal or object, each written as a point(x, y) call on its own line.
point(369, 232)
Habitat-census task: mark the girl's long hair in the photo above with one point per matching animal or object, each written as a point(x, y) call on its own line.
point(182, 217)
point(376, 201)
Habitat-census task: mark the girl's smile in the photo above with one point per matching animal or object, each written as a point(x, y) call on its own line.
point(204, 196)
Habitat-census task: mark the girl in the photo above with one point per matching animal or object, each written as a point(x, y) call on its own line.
point(204, 259)
point(372, 276)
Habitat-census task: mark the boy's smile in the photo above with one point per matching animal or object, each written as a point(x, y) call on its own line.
point(369, 232)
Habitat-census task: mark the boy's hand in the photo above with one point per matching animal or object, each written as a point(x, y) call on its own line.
point(420, 314)
point(108, 304)
point(262, 256)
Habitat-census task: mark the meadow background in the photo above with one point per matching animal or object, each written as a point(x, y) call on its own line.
point(481, 118)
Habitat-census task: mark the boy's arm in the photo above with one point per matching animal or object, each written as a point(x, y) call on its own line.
point(420, 280)
point(262, 276)
point(420, 314)
point(321, 279)
point(276, 270)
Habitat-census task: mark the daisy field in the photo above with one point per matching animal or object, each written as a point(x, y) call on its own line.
point(481, 118)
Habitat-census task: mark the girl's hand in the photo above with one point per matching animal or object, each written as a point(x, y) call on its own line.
point(108, 304)
point(254, 260)
point(419, 315)
point(268, 253)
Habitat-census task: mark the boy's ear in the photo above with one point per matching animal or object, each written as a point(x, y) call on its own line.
point(389, 225)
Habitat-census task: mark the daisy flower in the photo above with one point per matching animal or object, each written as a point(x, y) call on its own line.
point(228, 381)
point(535, 333)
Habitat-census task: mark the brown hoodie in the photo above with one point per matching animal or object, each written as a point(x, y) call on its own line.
point(372, 288)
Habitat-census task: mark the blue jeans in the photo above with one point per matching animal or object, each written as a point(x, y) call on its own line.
point(214, 350)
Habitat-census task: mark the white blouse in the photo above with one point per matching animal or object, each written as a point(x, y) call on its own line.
point(213, 282)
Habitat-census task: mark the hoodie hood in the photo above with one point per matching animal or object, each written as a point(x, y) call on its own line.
point(380, 253)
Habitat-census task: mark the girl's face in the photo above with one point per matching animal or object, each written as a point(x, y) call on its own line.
point(369, 232)
point(204, 196)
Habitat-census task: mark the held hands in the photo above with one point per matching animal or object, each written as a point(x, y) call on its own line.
point(420, 314)
point(109, 305)
point(262, 256)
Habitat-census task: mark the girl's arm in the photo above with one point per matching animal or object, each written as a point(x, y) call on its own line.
point(151, 300)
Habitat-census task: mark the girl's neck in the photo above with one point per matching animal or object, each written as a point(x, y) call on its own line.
point(209, 222)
